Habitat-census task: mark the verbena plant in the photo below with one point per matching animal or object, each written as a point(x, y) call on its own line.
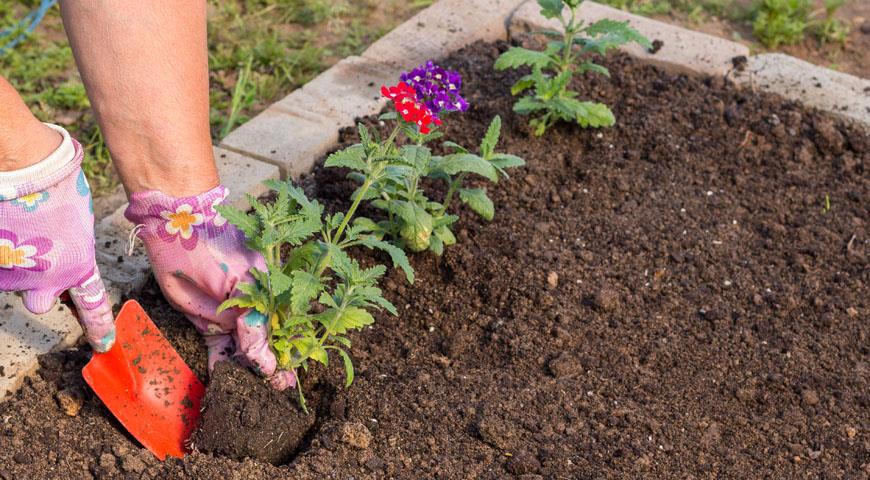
point(414, 221)
point(550, 99)
point(309, 311)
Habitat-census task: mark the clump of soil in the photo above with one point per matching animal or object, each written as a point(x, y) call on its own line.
point(243, 416)
point(672, 297)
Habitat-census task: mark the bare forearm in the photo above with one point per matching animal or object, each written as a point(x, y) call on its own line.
point(145, 67)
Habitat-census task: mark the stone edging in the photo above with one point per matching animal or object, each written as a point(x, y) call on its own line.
point(293, 133)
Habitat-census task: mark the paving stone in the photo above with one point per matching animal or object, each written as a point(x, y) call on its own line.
point(243, 175)
point(347, 91)
point(292, 139)
point(682, 50)
point(445, 27)
point(23, 336)
point(841, 94)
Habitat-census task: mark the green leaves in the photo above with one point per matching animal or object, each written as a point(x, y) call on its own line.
point(478, 201)
point(306, 287)
point(397, 255)
point(549, 99)
point(465, 162)
point(517, 57)
point(607, 34)
point(352, 157)
point(551, 8)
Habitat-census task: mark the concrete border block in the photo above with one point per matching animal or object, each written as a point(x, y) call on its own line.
point(682, 50)
point(841, 94)
point(24, 336)
point(291, 139)
point(347, 91)
point(443, 28)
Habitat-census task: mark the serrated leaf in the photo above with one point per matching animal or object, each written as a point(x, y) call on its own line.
point(490, 139)
point(551, 8)
point(524, 83)
point(309, 347)
point(465, 162)
point(302, 257)
point(351, 318)
point(528, 105)
point(594, 67)
point(278, 281)
point(351, 157)
point(517, 57)
point(591, 114)
point(305, 287)
point(477, 200)
point(246, 223)
point(241, 301)
point(364, 136)
point(397, 255)
point(417, 156)
point(608, 34)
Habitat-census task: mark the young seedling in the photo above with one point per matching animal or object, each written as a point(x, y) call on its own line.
point(309, 312)
point(550, 99)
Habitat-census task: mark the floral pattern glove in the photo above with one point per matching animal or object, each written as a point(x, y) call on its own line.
point(47, 240)
point(199, 259)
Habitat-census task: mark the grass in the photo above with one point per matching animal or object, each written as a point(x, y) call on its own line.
point(259, 51)
point(773, 22)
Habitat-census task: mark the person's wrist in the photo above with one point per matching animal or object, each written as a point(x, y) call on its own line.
point(172, 186)
point(28, 145)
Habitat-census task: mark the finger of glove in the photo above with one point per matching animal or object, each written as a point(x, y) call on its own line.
point(94, 312)
point(283, 379)
point(39, 301)
point(221, 347)
point(252, 342)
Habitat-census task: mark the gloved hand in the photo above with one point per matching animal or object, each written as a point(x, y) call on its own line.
point(199, 259)
point(47, 240)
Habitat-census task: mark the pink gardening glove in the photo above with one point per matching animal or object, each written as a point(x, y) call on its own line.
point(199, 259)
point(47, 240)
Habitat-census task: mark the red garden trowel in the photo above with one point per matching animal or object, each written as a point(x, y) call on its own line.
point(146, 384)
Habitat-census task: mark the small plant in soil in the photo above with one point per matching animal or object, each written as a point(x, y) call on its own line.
point(312, 293)
point(549, 99)
point(414, 221)
point(786, 22)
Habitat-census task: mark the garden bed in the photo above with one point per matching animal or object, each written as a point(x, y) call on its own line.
point(669, 297)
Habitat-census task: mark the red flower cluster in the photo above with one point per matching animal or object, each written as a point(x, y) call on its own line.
point(409, 107)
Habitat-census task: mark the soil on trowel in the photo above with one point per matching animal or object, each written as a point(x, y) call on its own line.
point(683, 295)
point(243, 416)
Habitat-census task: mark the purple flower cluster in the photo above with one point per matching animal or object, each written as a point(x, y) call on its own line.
point(437, 88)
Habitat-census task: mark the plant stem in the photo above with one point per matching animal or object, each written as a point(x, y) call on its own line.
point(451, 190)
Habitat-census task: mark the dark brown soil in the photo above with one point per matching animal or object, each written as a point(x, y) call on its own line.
point(667, 298)
point(242, 416)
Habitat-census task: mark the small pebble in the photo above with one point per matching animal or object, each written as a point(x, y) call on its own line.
point(356, 435)
point(553, 279)
point(810, 397)
point(70, 401)
point(851, 432)
point(852, 312)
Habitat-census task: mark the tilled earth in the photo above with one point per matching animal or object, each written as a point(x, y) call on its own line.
point(667, 298)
